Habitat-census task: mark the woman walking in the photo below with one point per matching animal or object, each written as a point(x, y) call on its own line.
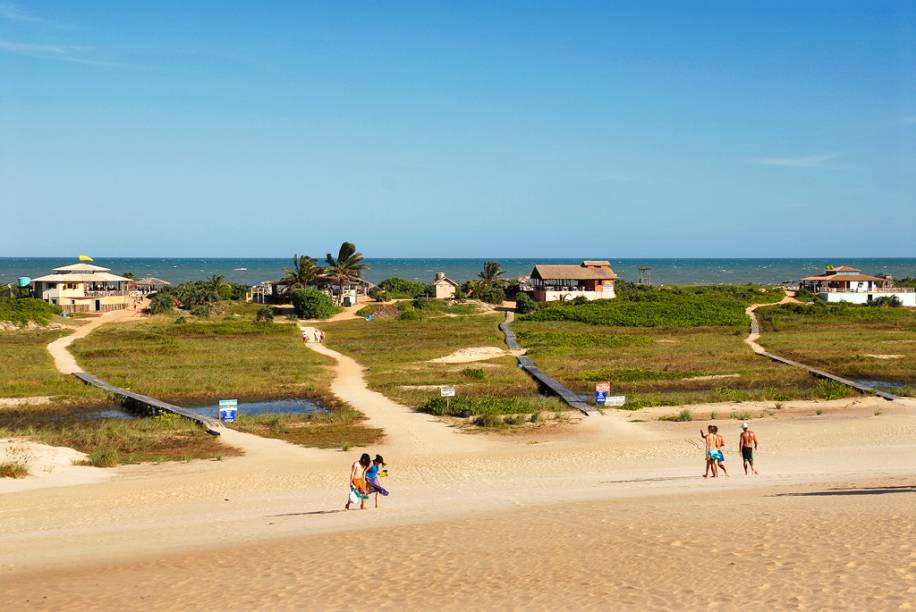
point(358, 482)
point(372, 476)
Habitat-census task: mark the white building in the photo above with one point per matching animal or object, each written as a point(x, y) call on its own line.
point(845, 284)
point(593, 280)
point(444, 288)
point(83, 287)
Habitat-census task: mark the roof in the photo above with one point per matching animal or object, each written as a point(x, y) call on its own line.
point(844, 269)
point(445, 279)
point(82, 267)
point(596, 262)
point(151, 280)
point(571, 272)
point(97, 277)
point(844, 277)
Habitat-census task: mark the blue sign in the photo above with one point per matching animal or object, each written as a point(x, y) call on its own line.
point(600, 397)
point(228, 409)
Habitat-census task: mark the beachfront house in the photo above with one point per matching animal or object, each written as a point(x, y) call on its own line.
point(83, 287)
point(593, 280)
point(277, 291)
point(846, 284)
point(444, 288)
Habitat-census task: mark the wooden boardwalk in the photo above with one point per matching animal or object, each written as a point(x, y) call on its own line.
point(147, 403)
point(543, 379)
point(822, 374)
point(751, 341)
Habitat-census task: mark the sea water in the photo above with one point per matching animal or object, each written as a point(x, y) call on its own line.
point(662, 271)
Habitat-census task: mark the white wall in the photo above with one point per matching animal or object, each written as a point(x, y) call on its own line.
point(906, 298)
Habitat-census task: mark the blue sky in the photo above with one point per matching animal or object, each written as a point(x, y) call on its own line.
point(458, 129)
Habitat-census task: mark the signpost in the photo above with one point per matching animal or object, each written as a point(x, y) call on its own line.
point(601, 391)
point(615, 400)
point(228, 409)
point(447, 393)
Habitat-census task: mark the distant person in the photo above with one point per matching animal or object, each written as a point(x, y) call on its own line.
point(747, 442)
point(710, 452)
point(305, 336)
point(358, 482)
point(318, 336)
point(372, 476)
point(720, 455)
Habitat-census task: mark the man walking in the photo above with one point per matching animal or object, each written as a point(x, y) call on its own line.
point(748, 444)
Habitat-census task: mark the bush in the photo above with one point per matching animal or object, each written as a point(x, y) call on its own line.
point(492, 295)
point(311, 303)
point(524, 304)
point(402, 288)
point(378, 294)
point(200, 310)
point(13, 469)
point(682, 416)
point(104, 457)
point(161, 302)
point(475, 373)
point(891, 301)
point(409, 315)
point(265, 315)
point(23, 310)
point(488, 420)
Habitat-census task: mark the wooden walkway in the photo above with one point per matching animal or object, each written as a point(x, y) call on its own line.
point(751, 341)
point(539, 375)
point(147, 403)
point(822, 374)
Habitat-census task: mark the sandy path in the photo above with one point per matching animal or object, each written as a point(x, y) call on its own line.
point(406, 431)
point(754, 335)
point(63, 360)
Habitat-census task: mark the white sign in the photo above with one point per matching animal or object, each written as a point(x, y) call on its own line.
point(447, 391)
point(228, 409)
point(615, 400)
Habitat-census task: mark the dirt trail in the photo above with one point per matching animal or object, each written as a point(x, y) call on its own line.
point(406, 431)
point(754, 335)
point(64, 361)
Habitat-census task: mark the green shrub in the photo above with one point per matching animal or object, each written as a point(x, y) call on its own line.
point(492, 295)
point(13, 469)
point(409, 315)
point(378, 294)
point(482, 404)
point(23, 310)
point(103, 457)
point(682, 416)
point(475, 373)
point(312, 303)
point(200, 310)
point(265, 315)
point(161, 302)
point(488, 420)
point(402, 288)
point(524, 304)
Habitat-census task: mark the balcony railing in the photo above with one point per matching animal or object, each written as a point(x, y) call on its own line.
point(108, 293)
point(876, 290)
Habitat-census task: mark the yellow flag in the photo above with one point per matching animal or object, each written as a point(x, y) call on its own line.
point(86, 258)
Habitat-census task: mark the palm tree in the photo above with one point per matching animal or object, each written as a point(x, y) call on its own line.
point(303, 272)
point(349, 263)
point(491, 274)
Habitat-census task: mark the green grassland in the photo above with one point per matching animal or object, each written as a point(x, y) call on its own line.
point(27, 369)
point(840, 338)
point(663, 307)
point(205, 359)
point(397, 352)
point(653, 366)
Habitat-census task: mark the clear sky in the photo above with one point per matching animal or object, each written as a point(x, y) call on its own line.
point(551, 129)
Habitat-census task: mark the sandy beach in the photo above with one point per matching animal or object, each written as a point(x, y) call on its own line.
point(602, 513)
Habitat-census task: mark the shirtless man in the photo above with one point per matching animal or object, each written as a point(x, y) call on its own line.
point(747, 442)
point(720, 444)
point(710, 438)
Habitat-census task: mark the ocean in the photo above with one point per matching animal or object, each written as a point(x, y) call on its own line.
point(662, 271)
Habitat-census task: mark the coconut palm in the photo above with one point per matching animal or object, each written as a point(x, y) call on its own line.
point(215, 282)
point(302, 274)
point(491, 274)
point(347, 264)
